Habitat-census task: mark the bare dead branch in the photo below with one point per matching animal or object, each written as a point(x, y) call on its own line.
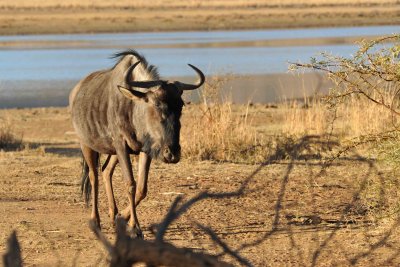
point(128, 251)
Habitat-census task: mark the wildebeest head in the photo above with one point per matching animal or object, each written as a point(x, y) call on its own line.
point(161, 107)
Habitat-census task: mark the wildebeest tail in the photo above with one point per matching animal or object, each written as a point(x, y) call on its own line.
point(86, 187)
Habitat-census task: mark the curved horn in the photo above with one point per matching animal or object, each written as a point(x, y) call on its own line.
point(140, 84)
point(185, 86)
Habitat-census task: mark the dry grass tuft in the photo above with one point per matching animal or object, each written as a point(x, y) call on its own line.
point(222, 131)
point(8, 139)
point(352, 118)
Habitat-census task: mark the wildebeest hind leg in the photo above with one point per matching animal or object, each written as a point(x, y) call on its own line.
point(92, 157)
point(107, 171)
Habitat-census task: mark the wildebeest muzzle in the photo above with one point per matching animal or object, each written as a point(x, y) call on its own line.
point(170, 155)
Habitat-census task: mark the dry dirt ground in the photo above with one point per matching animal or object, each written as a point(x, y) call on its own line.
point(73, 16)
point(292, 214)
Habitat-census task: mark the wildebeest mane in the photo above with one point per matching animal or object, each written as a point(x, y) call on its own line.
point(151, 69)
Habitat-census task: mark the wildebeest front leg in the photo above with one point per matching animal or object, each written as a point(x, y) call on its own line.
point(108, 170)
point(126, 167)
point(92, 157)
point(141, 188)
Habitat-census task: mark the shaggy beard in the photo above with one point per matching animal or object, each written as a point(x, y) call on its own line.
point(150, 149)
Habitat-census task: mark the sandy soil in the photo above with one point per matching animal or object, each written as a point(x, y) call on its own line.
point(34, 17)
point(298, 215)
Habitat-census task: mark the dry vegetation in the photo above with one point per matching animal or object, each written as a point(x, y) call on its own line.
point(187, 4)
point(352, 118)
point(30, 17)
point(365, 99)
point(8, 139)
point(222, 131)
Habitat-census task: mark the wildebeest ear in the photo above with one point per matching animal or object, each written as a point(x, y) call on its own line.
point(132, 94)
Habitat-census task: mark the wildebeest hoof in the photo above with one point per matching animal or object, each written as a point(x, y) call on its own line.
point(136, 232)
point(116, 217)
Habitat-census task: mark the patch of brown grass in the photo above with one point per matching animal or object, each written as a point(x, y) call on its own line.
point(222, 131)
point(8, 139)
point(353, 118)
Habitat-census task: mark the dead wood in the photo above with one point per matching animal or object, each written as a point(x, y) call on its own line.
point(128, 251)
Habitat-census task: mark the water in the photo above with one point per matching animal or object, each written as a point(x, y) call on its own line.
point(57, 61)
point(58, 64)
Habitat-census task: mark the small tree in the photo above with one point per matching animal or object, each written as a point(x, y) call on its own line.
point(373, 72)
point(371, 75)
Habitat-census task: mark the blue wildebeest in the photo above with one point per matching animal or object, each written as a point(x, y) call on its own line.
point(126, 110)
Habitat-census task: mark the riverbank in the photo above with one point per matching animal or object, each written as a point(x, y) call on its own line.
point(45, 17)
point(263, 89)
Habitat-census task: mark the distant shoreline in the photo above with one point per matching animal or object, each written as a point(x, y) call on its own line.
point(52, 18)
point(41, 44)
point(262, 88)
